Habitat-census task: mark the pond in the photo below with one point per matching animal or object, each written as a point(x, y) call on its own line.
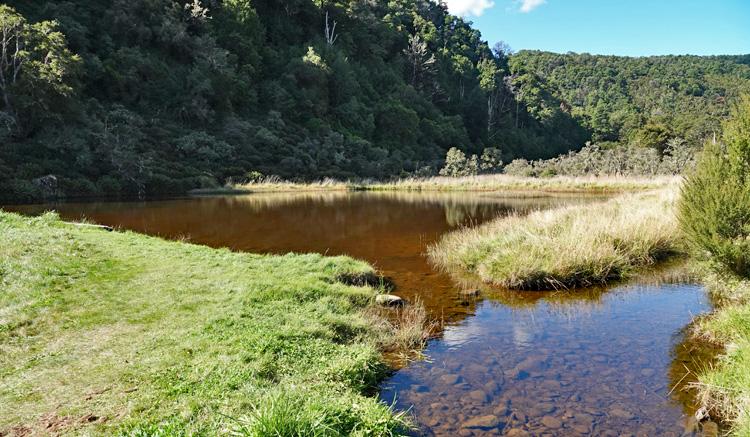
point(594, 362)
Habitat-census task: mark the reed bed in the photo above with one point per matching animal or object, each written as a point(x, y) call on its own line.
point(569, 247)
point(502, 182)
point(493, 182)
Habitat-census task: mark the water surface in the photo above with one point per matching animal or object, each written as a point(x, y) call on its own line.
point(596, 362)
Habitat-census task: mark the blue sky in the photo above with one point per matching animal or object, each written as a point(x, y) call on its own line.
point(619, 27)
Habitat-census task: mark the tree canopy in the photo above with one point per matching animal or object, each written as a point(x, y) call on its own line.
point(160, 96)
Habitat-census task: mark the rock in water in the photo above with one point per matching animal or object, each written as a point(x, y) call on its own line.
point(482, 422)
point(710, 429)
point(469, 293)
point(551, 422)
point(389, 300)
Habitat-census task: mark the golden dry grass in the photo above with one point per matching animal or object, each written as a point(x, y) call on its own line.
point(567, 247)
point(495, 182)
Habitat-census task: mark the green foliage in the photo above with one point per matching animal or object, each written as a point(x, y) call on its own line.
point(456, 164)
point(154, 97)
point(35, 68)
point(715, 204)
point(646, 100)
point(491, 160)
point(614, 161)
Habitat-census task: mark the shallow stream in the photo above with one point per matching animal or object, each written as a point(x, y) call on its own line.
point(596, 362)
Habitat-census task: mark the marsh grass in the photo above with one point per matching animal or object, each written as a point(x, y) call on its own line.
point(724, 388)
point(494, 182)
point(502, 182)
point(569, 247)
point(407, 330)
point(152, 337)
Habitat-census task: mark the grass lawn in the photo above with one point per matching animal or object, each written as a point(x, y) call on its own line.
point(120, 333)
point(567, 247)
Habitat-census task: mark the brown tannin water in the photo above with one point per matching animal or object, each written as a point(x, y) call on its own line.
point(601, 362)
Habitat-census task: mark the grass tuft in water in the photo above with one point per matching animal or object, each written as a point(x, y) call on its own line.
point(567, 247)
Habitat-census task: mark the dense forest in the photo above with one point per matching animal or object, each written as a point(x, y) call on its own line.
point(141, 97)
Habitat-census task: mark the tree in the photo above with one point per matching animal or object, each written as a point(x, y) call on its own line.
point(119, 137)
point(490, 81)
point(422, 62)
point(456, 164)
point(34, 63)
point(715, 203)
point(491, 160)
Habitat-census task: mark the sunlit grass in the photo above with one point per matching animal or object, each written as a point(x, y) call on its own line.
point(724, 388)
point(566, 247)
point(500, 182)
point(115, 332)
point(495, 182)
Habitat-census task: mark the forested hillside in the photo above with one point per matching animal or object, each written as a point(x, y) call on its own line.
point(140, 97)
point(643, 101)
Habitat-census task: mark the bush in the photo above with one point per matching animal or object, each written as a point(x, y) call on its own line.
point(457, 164)
point(715, 204)
point(617, 161)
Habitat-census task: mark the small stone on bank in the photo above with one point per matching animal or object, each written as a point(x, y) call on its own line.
point(389, 300)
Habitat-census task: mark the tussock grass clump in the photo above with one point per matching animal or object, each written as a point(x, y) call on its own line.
point(115, 332)
point(568, 247)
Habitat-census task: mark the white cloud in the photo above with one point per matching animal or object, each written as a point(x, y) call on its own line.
point(529, 5)
point(469, 7)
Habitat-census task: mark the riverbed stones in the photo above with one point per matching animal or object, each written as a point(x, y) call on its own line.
point(478, 396)
point(621, 413)
point(450, 379)
point(551, 422)
point(482, 422)
point(389, 300)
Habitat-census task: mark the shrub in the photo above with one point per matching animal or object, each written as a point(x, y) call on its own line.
point(715, 205)
point(455, 162)
point(617, 161)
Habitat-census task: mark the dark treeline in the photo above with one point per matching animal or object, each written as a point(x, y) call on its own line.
point(160, 96)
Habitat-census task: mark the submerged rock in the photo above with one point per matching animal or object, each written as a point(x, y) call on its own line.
point(469, 293)
point(450, 379)
point(710, 429)
point(478, 396)
point(621, 413)
point(389, 300)
point(551, 422)
point(482, 422)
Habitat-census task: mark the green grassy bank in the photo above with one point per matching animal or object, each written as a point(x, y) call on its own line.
point(120, 333)
point(566, 247)
point(724, 388)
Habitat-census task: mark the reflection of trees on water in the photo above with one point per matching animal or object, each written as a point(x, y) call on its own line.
point(463, 211)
